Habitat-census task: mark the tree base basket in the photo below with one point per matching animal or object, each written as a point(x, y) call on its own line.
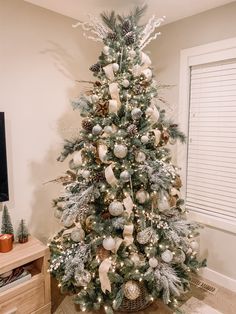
point(23, 240)
point(136, 305)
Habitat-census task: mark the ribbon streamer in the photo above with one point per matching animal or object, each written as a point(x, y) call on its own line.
point(128, 203)
point(110, 177)
point(113, 106)
point(155, 115)
point(108, 69)
point(103, 275)
point(114, 92)
point(157, 134)
point(102, 152)
point(118, 242)
point(128, 234)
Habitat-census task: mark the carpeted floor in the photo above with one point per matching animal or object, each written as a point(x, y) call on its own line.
point(223, 301)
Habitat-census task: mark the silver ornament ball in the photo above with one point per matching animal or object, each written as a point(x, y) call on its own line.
point(120, 150)
point(167, 256)
point(125, 176)
point(77, 235)
point(144, 139)
point(109, 243)
point(97, 129)
point(132, 290)
point(136, 113)
point(116, 208)
point(153, 262)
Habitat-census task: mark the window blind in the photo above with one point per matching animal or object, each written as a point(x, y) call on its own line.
point(211, 162)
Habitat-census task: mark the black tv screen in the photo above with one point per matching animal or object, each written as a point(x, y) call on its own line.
point(4, 195)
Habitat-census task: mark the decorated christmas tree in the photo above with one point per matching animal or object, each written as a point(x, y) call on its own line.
point(125, 239)
point(22, 232)
point(7, 227)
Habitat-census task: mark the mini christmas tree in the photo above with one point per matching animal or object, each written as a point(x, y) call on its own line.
point(125, 239)
point(22, 232)
point(7, 227)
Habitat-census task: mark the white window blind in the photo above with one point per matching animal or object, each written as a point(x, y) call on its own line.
point(211, 162)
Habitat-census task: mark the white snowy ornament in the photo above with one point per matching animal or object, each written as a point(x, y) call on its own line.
point(82, 278)
point(142, 196)
point(108, 129)
point(153, 262)
point(132, 53)
point(125, 83)
point(140, 157)
point(97, 129)
point(77, 235)
point(167, 256)
point(95, 98)
point(109, 243)
point(125, 176)
point(144, 139)
point(115, 67)
point(106, 50)
point(136, 113)
point(85, 174)
point(147, 73)
point(116, 208)
point(194, 245)
point(120, 150)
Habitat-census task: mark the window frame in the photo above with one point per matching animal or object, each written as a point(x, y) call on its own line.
point(212, 52)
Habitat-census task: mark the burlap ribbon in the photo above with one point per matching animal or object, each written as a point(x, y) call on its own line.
point(103, 275)
point(155, 115)
point(157, 134)
point(114, 92)
point(108, 69)
point(128, 203)
point(102, 152)
point(128, 234)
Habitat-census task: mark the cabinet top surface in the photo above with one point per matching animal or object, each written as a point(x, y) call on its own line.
point(22, 254)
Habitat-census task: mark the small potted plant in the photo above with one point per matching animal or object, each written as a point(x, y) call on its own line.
point(22, 232)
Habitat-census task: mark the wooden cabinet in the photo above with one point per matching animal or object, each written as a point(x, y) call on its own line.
point(32, 296)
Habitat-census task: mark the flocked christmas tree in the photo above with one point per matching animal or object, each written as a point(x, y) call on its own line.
point(125, 240)
point(7, 227)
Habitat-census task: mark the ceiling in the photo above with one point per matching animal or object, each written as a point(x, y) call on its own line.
point(173, 9)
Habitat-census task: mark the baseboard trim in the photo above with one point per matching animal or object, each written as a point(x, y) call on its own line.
point(218, 278)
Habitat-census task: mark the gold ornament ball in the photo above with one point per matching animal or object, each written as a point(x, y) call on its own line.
point(132, 290)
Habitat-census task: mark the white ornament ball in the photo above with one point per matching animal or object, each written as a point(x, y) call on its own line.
point(85, 174)
point(108, 129)
point(116, 208)
point(194, 245)
point(153, 262)
point(132, 53)
point(106, 50)
point(132, 290)
point(115, 67)
point(97, 129)
point(135, 258)
point(109, 243)
point(136, 113)
point(125, 83)
point(95, 98)
point(120, 151)
point(82, 278)
point(167, 256)
point(125, 176)
point(148, 74)
point(140, 157)
point(144, 139)
point(142, 196)
point(77, 235)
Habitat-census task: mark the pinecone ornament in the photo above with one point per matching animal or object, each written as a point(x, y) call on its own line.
point(129, 39)
point(87, 125)
point(100, 176)
point(112, 36)
point(95, 67)
point(132, 129)
point(102, 109)
point(126, 27)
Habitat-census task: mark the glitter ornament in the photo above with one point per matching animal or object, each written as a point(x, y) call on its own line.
point(85, 174)
point(108, 129)
point(109, 243)
point(116, 208)
point(125, 83)
point(77, 235)
point(142, 196)
point(194, 245)
point(136, 113)
point(153, 262)
point(106, 50)
point(97, 129)
point(115, 67)
point(144, 139)
point(167, 256)
point(132, 290)
point(125, 176)
point(120, 150)
point(140, 157)
point(82, 278)
point(132, 129)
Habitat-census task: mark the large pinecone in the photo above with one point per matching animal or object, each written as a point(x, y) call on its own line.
point(99, 176)
point(87, 125)
point(132, 129)
point(129, 39)
point(95, 67)
point(126, 27)
point(112, 36)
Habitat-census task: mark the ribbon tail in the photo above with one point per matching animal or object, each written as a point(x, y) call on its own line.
point(103, 275)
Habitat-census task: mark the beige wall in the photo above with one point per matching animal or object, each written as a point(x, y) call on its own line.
point(210, 26)
point(41, 56)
